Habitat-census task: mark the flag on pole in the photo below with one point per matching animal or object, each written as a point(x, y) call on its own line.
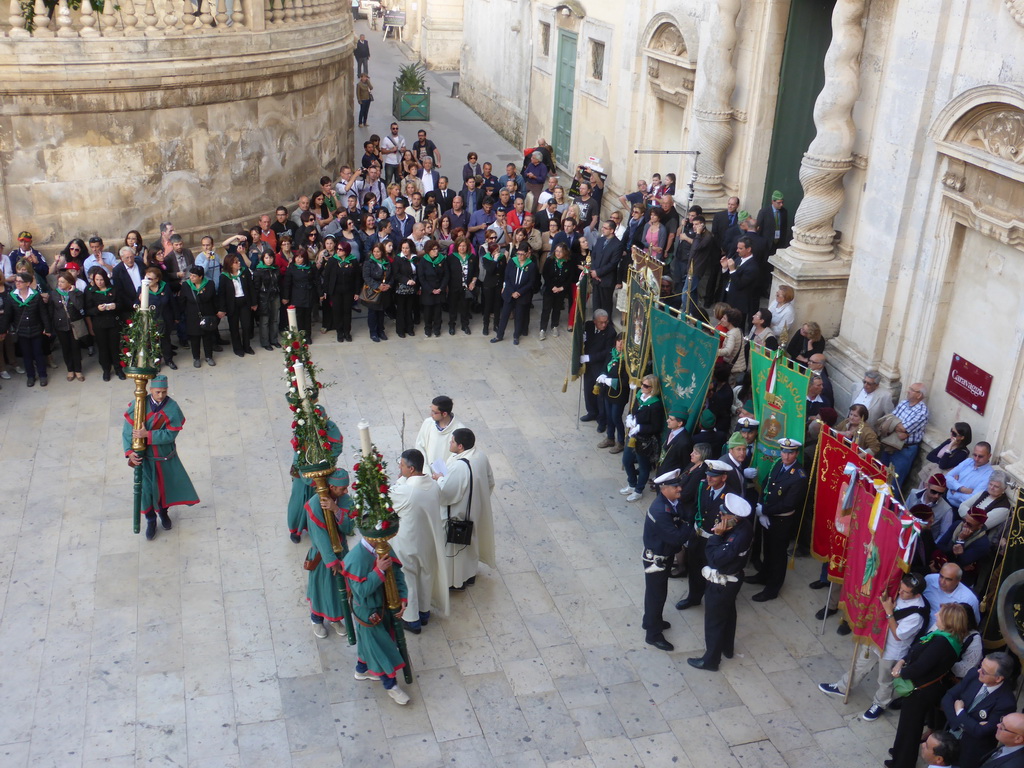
point(684, 352)
point(780, 403)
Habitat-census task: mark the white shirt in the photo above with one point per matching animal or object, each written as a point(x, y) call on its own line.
point(782, 317)
point(906, 628)
point(936, 597)
point(393, 142)
point(427, 180)
point(135, 274)
point(239, 291)
point(878, 403)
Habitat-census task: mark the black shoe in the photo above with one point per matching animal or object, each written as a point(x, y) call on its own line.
point(43, 381)
point(496, 339)
point(239, 354)
point(661, 644)
point(120, 374)
point(92, 351)
point(451, 330)
point(218, 348)
point(588, 417)
point(427, 333)
point(268, 348)
point(685, 603)
point(803, 551)
point(409, 627)
point(757, 578)
point(30, 381)
point(209, 361)
point(172, 365)
point(819, 584)
point(486, 329)
point(764, 596)
point(106, 375)
point(843, 629)
point(348, 337)
point(275, 344)
point(410, 333)
point(197, 363)
point(250, 351)
point(699, 664)
point(825, 613)
point(383, 336)
point(471, 580)
point(728, 654)
point(515, 340)
point(465, 330)
point(295, 537)
point(401, 335)
point(888, 763)
point(375, 339)
point(150, 527)
point(165, 519)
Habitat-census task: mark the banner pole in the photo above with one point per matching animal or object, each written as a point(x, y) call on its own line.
point(579, 405)
point(824, 616)
point(803, 513)
point(853, 666)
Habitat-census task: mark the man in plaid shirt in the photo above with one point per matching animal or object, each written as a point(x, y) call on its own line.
point(913, 416)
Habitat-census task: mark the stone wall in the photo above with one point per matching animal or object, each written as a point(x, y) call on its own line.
point(105, 135)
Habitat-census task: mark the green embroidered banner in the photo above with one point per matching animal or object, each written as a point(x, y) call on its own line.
point(780, 403)
point(684, 358)
point(637, 345)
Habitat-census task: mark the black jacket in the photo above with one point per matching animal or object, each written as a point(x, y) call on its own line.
point(457, 279)
point(675, 454)
point(32, 318)
point(101, 318)
point(124, 289)
point(6, 311)
point(199, 304)
point(520, 279)
point(226, 291)
point(341, 277)
point(300, 286)
point(784, 489)
point(728, 553)
point(492, 270)
point(266, 284)
point(665, 531)
point(432, 277)
point(979, 724)
point(557, 275)
point(64, 311)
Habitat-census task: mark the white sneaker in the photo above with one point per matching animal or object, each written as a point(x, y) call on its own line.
point(319, 629)
point(555, 331)
point(627, 489)
point(19, 369)
point(543, 334)
point(364, 676)
point(5, 375)
point(634, 496)
point(339, 627)
point(400, 696)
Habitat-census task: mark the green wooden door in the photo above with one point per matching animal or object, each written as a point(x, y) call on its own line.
point(565, 85)
point(808, 37)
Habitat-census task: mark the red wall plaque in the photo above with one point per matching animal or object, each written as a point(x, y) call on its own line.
point(969, 384)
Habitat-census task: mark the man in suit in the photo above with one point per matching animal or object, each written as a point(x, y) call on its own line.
point(725, 221)
point(727, 552)
point(1010, 735)
point(445, 197)
point(701, 513)
point(735, 457)
point(783, 497)
point(773, 224)
point(569, 238)
point(604, 266)
point(974, 706)
point(665, 533)
point(598, 341)
point(127, 278)
point(675, 454)
point(742, 280)
point(430, 178)
point(547, 214)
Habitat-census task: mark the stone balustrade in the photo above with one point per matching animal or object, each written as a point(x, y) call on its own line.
point(162, 18)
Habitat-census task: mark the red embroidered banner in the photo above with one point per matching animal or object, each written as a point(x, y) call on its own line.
point(834, 453)
point(873, 565)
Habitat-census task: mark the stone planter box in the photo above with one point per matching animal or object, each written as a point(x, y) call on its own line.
point(410, 105)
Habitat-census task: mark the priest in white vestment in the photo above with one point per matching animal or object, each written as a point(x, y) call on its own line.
point(419, 543)
point(435, 433)
point(467, 461)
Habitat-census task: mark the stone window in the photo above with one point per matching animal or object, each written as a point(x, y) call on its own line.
point(597, 60)
point(545, 39)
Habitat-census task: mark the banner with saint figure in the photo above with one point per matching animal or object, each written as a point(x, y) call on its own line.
point(577, 319)
point(828, 544)
point(637, 346)
point(873, 561)
point(780, 403)
point(684, 352)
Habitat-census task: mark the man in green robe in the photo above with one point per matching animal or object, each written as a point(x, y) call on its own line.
point(165, 482)
point(302, 489)
point(378, 657)
point(325, 582)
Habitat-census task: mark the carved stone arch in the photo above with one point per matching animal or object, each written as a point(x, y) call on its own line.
point(984, 126)
point(966, 109)
point(666, 31)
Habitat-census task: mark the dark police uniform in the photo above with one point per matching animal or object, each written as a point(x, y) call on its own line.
point(727, 554)
point(701, 516)
point(665, 534)
point(784, 492)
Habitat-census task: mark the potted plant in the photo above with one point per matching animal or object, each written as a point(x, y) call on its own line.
point(410, 95)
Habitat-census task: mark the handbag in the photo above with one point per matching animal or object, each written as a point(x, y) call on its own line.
point(461, 531)
point(902, 687)
point(208, 323)
point(79, 329)
point(369, 297)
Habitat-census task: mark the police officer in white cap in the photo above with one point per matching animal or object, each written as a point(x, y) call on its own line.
point(785, 489)
point(701, 512)
point(727, 551)
point(665, 534)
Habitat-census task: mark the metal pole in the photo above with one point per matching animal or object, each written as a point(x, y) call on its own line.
point(824, 615)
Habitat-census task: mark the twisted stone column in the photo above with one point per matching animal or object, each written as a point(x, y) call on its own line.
point(830, 155)
point(716, 80)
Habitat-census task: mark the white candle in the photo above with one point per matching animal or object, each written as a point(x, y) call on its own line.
point(300, 380)
point(293, 320)
point(144, 294)
point(364, 438)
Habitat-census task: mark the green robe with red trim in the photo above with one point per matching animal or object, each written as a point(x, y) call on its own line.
point(375, 646)
point(302, 489)
point(322, 586)
point(165, 483)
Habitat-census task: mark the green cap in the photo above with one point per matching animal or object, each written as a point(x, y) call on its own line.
point(743, 216)
point(707, 419)
point(736, 441)
point(679, 415)
point(776, 195)
point(338, 478)
point(159, 382)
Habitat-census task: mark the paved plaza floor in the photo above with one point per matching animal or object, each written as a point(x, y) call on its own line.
point(195, 649)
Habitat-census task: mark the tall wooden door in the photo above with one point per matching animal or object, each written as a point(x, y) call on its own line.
point(808, 36)
point(565, 86)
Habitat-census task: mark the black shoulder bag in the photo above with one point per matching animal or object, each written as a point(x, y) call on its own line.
point(461, 531)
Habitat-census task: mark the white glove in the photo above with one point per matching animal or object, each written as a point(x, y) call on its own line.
point(630, 421)
point(632, 386)
point(750, 473)
point(763, 520)
point(634, 431)
point(584, 358)
point(602, 379)
point(759, 509)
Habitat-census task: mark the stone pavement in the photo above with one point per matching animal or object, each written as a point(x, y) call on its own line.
point(195, 649)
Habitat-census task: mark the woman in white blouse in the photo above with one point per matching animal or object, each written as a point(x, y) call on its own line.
point(783, 315)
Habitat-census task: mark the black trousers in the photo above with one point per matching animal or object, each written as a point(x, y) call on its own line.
point(70, 350)
point(432, 318)
point(776, 542)
point(603, 297)
point(106, 347)
point(490, 298)
point(913, 714)
point(206, 340)
point(460, 307)
point(240, 323)
point(720, 621)
point(696, 558)
point(655, 593)
point(590, 400)
point(521, 307)
point(551, 309)
point(341, 311)
point(404, 304)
